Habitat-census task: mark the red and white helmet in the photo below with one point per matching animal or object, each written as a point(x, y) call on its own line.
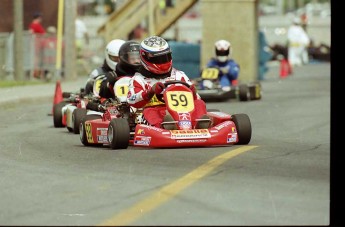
point(155, 55)
point(223, 50)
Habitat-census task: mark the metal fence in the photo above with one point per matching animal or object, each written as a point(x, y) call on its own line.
point(39, 55)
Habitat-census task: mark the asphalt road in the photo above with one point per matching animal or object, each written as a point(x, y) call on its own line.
point(281, 178)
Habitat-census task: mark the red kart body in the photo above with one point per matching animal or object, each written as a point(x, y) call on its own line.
point(120, 132)
point(180, 105)
point(223, 133)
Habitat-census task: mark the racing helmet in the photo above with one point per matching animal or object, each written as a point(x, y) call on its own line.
point(129, 54)
point(223, 50)
point(155, 55)
point(112, 52)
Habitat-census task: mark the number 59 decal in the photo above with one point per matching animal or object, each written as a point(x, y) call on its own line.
point(180, 101)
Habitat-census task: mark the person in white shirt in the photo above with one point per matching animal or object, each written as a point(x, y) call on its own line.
point(81, 35)
point(298, 42)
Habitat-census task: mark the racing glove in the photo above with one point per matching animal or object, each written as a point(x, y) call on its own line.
point(157, 88)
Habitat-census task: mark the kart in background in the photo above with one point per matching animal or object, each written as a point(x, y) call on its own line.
point(123, 129)
point(93, 128)
point(59, 109)
point(72, 109)
point(209, 89)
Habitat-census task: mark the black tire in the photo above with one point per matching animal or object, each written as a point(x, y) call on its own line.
point(244, 128)
point(57, 114)
point(66, 95)
point(255, 91)
point(118, 133)
point(243, 92)
point(77, 115)
point(82, 132)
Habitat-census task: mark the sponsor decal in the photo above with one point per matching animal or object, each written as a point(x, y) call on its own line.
point(233, 129)
point(185, 124)
point(184, 116)
point(190, 134)
point(141, 132)
point(191, 141)
point(102, 139)
point(132, 97)
point(102, 131)
point(222, 125)
point(142, 140)
point(152, 128)
point(231, 138)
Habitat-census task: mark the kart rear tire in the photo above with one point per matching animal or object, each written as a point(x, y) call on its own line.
point(82, 132)
point(118, 133)
point(77, 115)
point(243, 127)
point(243, 92)
point(57, 114)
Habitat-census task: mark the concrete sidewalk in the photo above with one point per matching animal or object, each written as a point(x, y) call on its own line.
point(41, 92)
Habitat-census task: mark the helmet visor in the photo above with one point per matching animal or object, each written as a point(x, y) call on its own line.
point(222, 52)
point(158, 59)
point(113, 58)
point(134, 58)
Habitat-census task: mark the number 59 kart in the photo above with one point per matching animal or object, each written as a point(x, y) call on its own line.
point(121, 130)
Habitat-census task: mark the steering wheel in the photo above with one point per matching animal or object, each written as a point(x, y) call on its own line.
point(167, 83)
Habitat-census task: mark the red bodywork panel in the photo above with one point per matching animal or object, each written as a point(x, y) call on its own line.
point(222, 134)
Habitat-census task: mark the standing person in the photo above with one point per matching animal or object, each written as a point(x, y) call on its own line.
point(38, 31)
point(111, 53)
point(81, 36)
point(35, 26)
point(49, 46)
point(265, 54)
point(228, 67)
point(298, 42)
point(156, 68)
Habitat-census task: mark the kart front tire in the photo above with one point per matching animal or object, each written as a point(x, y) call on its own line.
point(57, 114)
point(118, 133)
point(243, 127)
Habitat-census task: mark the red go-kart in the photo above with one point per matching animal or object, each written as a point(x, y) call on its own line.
point(121, 131)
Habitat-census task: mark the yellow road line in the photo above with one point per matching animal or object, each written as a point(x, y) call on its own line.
point(169, 191)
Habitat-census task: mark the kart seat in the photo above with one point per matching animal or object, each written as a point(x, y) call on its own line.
point(203, 122)
point(169, 123)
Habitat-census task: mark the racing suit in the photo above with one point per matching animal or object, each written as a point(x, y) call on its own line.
point(228, 71)
point(154, 110)
point(107, 85)
point(98, 73)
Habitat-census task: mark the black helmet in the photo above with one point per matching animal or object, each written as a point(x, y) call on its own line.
point(129, 54)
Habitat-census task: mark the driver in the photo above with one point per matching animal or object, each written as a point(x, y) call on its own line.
point(228, 68)
point(128, 65)
point(111, 53)
point(156, 68)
